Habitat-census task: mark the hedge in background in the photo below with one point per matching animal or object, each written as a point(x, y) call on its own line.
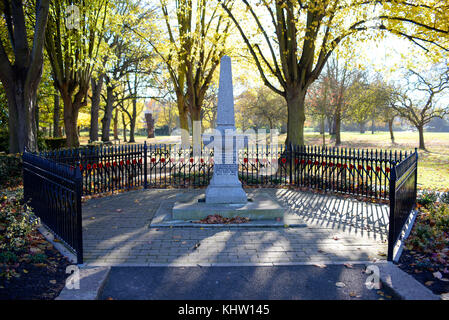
point(4, 140)
point(55, 143)
point(10, 170)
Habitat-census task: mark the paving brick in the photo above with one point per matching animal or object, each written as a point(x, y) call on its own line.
point(111, 238)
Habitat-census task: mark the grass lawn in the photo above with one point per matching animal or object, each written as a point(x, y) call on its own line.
point(433, 168)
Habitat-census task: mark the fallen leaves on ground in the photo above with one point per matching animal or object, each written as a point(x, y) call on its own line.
point(218, 219)
point(426, 254)
point(40, 265)
point(35, 250)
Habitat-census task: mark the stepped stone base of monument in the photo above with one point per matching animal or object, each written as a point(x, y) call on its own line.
point(260, 207)
point(188, 208)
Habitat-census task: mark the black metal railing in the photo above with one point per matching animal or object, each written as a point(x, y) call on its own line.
point(106, 168)
point(351, 171)
point(403, 187)
point(55, 181)
point(54, 192)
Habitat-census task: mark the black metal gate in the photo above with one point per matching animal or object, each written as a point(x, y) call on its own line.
point(54, 192)
point(403, 187)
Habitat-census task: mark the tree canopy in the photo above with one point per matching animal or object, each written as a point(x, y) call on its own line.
point(295, 39)
point(105, 60)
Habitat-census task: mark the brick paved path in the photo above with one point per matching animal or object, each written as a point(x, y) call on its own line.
point(115, 232)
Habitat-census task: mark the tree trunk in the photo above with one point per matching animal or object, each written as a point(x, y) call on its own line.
point(124, 127)
point(322, 126)
point(183, 121)
point(56, 116)
point(421, 137)
point(372, 126)
point(72, 104)
point(333, 128)
point(132, 127)
point(95, 108)
point(106, 121)
point(21, 78)
point(338, 126)
point(150, 125)
point(330, 124)
point(390, 127)
point(70, 121)
point(132, 123)
point(36, 117)
point(296, 115)
point(71, 129)
point(322, 130)
point(362, 127)
point(115, 125)
point(22, 122)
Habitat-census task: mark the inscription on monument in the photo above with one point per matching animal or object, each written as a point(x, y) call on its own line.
point(225, 169)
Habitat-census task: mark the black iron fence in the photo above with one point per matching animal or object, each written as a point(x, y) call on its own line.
point(403, 187)
point(106, 168)
point(54, 192)
point(54, 181)
point(351, 171)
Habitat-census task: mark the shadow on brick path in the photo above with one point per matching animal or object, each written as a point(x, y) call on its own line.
point(115, 232)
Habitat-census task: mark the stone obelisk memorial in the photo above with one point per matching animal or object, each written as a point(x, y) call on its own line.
point(225, 195)
point(225, 186)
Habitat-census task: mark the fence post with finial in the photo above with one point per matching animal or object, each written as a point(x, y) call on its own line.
point(145, 166)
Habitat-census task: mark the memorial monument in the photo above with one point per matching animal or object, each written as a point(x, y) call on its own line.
point(224, 195)
point(225, 186)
